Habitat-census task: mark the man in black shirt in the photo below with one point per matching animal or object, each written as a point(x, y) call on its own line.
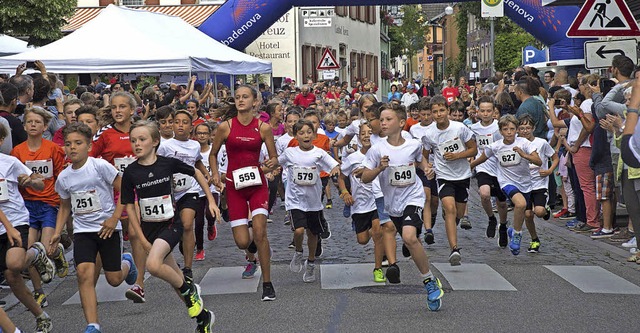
point(9, 94)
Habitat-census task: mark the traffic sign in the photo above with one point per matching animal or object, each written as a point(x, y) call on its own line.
point(317, 22)
point(599, 54)
point(328, 61)
point(604, 18)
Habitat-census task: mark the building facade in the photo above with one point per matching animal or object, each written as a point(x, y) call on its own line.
point(478, 50)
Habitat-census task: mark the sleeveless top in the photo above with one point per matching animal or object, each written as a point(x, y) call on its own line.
point(243, 145)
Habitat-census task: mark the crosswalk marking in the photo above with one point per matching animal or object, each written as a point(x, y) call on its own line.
point(105, 292)
point(473, 277)
point(594, 279)
point(343, 276)
point(228, 280)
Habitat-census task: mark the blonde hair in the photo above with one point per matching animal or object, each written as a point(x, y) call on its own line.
point(151, 126)
point(46, 115)
point(330, 118)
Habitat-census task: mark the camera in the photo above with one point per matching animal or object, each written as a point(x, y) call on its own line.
point(31, 64)
point(507, 81)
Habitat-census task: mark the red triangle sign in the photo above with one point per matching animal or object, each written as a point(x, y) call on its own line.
point(604, 18)
point(328, 61)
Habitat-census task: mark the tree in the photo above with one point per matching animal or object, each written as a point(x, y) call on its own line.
point(41, 21)
point(411, 36)
point(508, 49)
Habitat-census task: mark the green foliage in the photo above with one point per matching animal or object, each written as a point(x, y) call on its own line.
point(40, 20)
point(508, 49)
point(411, 36)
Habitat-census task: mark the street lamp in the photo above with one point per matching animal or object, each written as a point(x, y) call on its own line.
point(447, 11)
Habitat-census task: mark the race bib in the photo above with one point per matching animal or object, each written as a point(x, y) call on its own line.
point(305, 176)
point(122, 163)
point(4, 190)
point(156, 209)
point(43, 167)
point(508, 158)
point(181, 182)
point(85, 202)
point(402, 175)
point(484, 140)
point(452, 146)
point(246, 177)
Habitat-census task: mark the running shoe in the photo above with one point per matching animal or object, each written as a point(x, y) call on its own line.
point(623, 236)
point(378, 275)
point(296, 263)
point(199, 255)
point(268, 293)
point(133, 270)
point(206, 326)
point(92, 329)
point(631, 243)
point(42, 263)
point(287, 219)
point(405, 251)
point(572, 224)
point(193, 301)
point(65, 240)
point(465, 223)
point(534, 247)
point(346, 211)
point(269, 221)
point(326, 229)
point(585, 228)
point(319, 250)
point(250, 270)
point(491, 228)
point(503, 240)
point(62, 266)
point(136, 294)
point(434, 289)
point(212, 231)
point(428, 237)
point(514, 241)
point(41, 299)
point(385, 261)
point(329, 204)
point(455, 257)
point(44, 325)
point(568, 216)
point(292, 245)
point(188, 275)
point(309, 272)
point(393, 273)
point(547, 215)
point(601, 233)
point(561, 213)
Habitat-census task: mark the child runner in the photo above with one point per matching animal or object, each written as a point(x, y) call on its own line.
point(112, 144)
point(186, 190)
point(281, 144)
point(514, 155)
point(203, 136)
point(87, 115)
point(394, 161)
point(164, 116)
point(150, 177)
point(451, 144)
point(486, 132)
point(247, 188)
point(86, 189)
point(304, 191)
point(69, 111)
point(46, 159)
point(539, 179)
point(14, 234)
point(366, 221)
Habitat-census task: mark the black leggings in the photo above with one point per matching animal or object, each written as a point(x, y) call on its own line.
point(273, 190)
point(201, 214)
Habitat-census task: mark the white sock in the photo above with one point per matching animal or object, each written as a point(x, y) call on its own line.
point(17, 330)
point(427, 275)
point(126, 262)
point(96, 325)
point(43, 315)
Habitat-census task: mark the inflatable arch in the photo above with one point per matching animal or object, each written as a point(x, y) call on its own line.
point(237, 23)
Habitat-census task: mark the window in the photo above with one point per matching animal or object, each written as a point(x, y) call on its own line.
point(341, 10)
point(132, 2)
point(371, 11)
point(362, 13)
point(353, 12)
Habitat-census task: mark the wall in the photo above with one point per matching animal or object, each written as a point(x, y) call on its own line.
point(278, 45)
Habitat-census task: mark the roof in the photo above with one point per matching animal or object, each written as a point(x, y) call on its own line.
point(192, 14)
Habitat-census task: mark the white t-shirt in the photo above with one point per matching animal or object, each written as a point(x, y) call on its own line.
point(90, 189)
point(375, 139)
point(304, 187)
point(282, 143)
point(518, 174)
point(11, 202)
point(406, 189)
point(575, 126)
point(189, 153)
point(484, 137)
point(223, 160)
point(353, 130)
point(7, 144)
point(408, 99)
point(453, 138)
point(545, 151)
point(417, 131)
point(364, 198)
point(205, 161)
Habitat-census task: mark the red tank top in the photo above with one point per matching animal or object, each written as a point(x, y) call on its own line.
point(243, 145)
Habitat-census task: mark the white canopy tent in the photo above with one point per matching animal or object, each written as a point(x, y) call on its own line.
point(10, 45)
point(124, 40)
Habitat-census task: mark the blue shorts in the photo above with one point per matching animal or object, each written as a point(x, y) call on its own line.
point(382, 215)
point(511, 190)
point(41, 215)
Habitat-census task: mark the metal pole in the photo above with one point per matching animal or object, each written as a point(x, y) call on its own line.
point(491, 54)
point(444, 58)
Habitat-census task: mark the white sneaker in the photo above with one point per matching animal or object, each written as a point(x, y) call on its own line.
point(309, 274)
point(296, 263)
point(631, 243)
